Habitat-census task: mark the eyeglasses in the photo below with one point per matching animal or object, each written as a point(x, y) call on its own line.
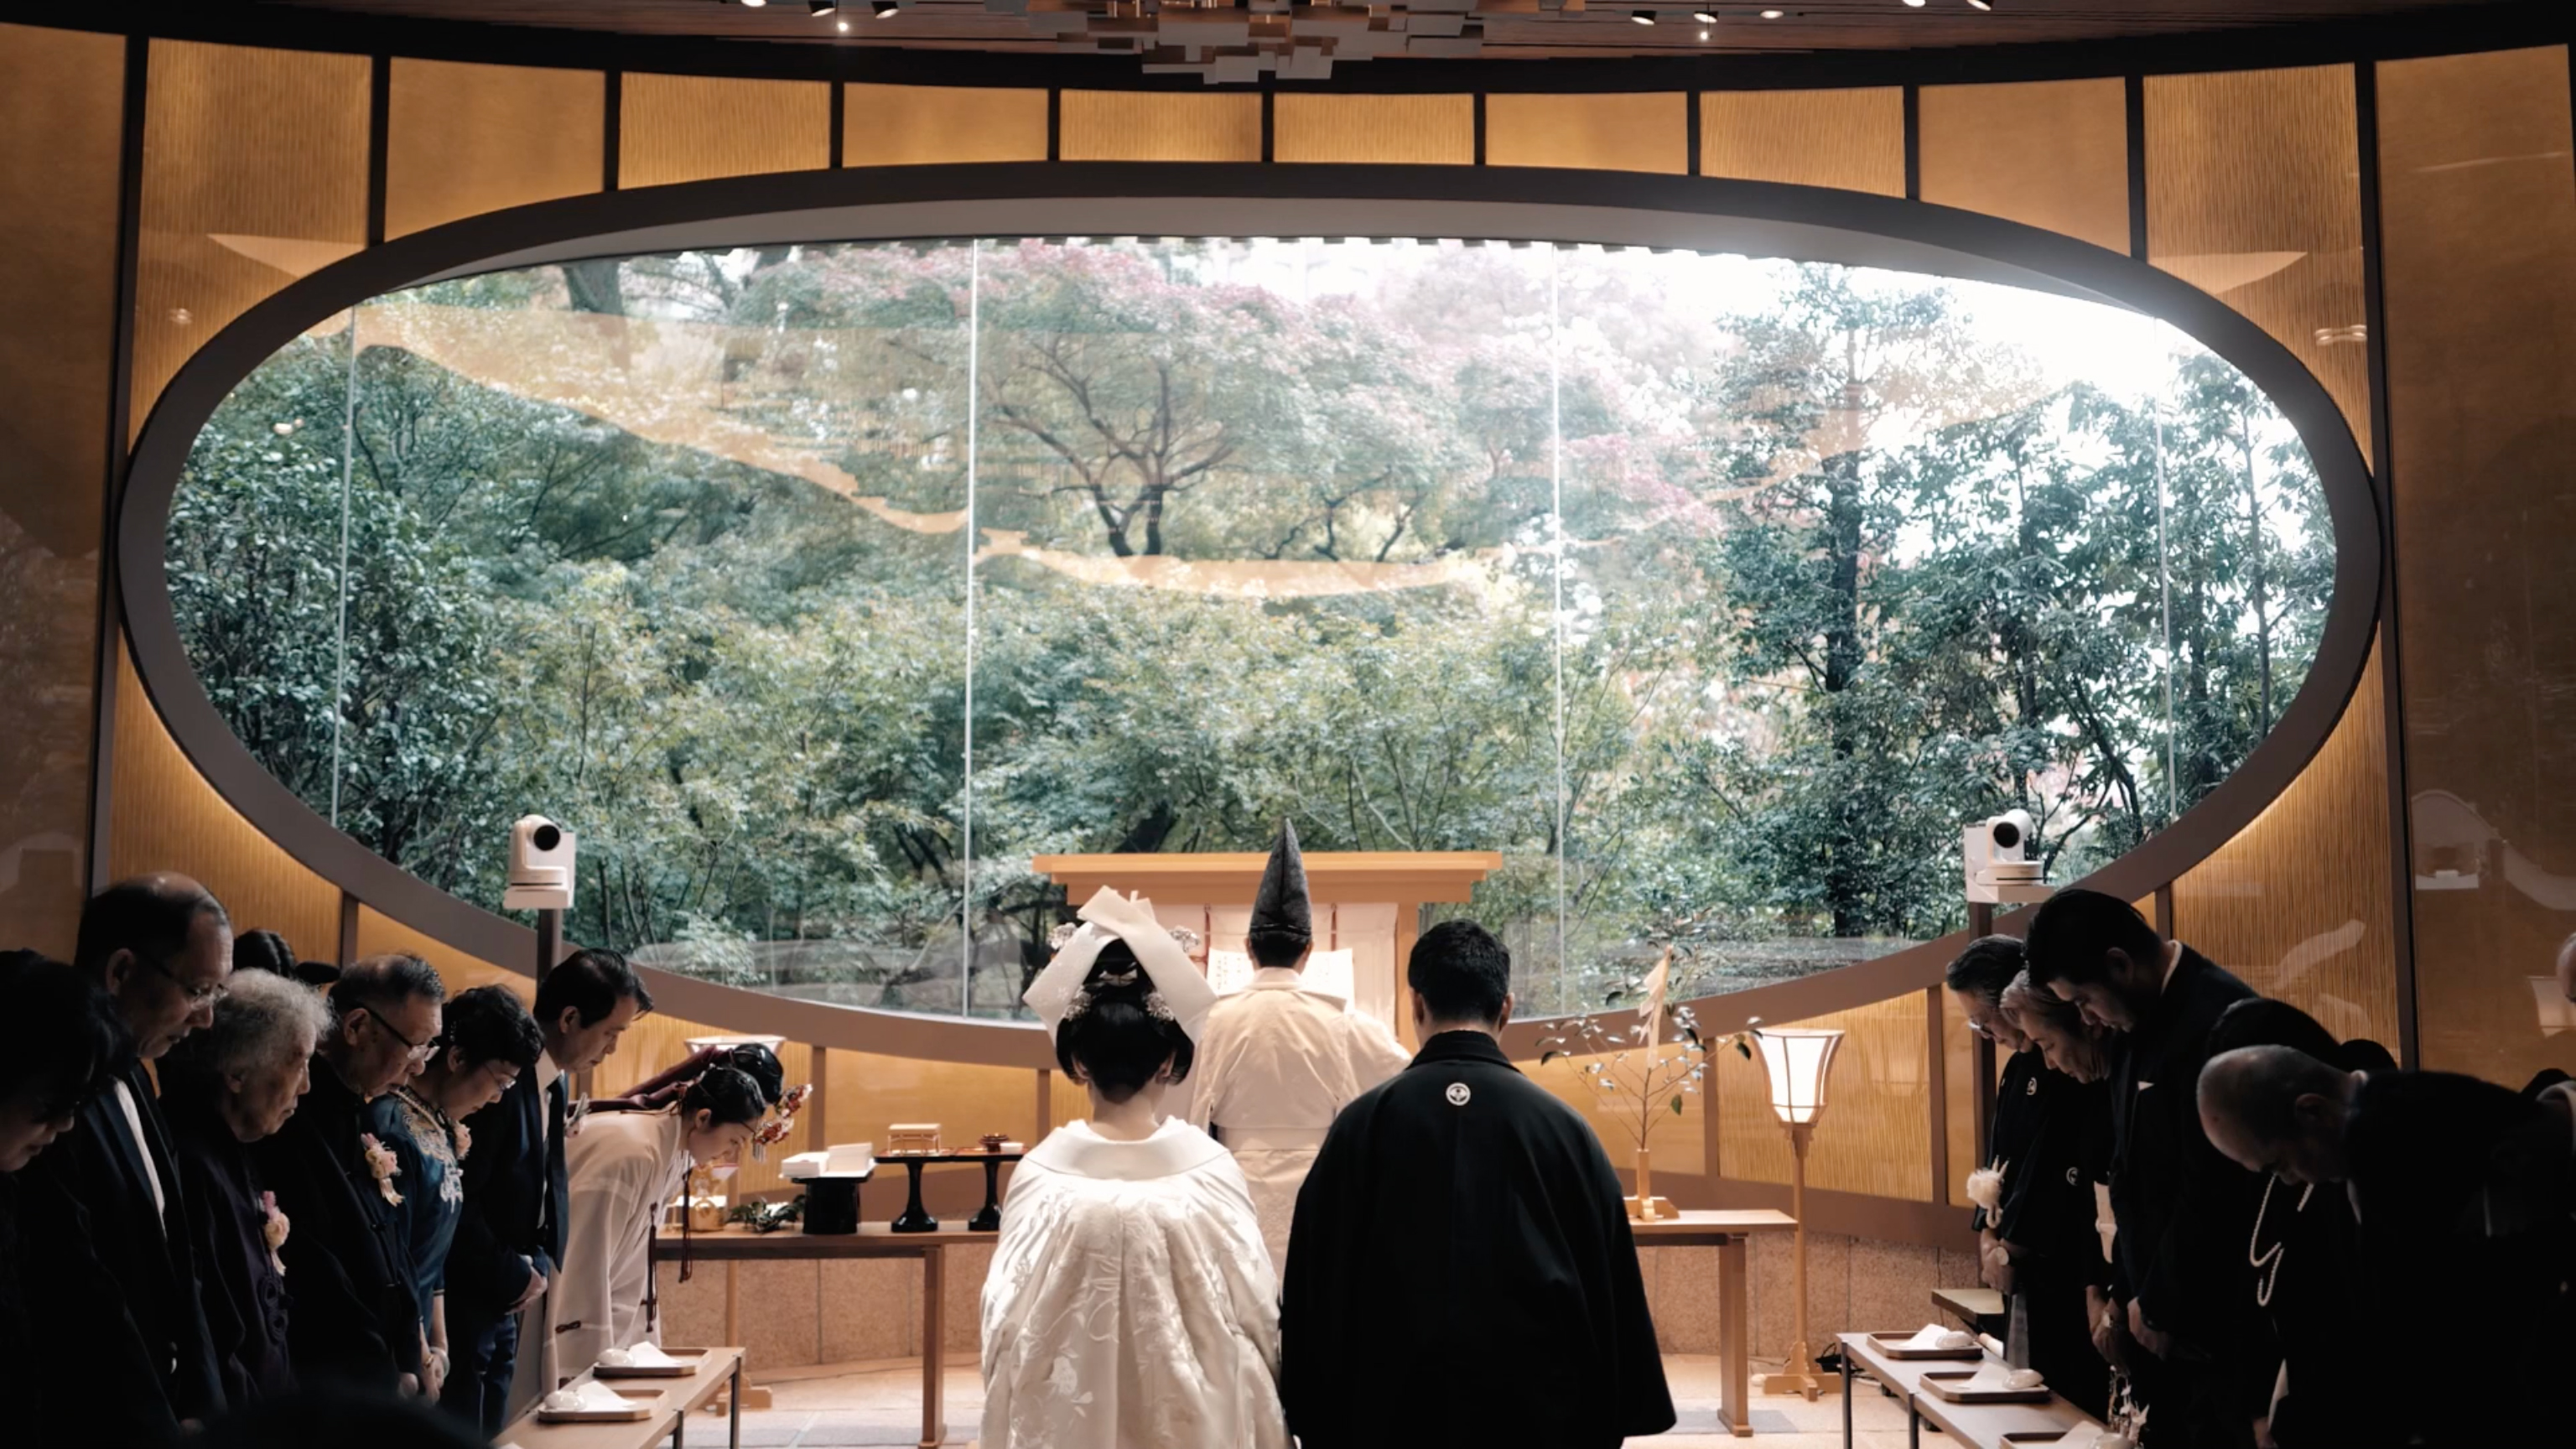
point(197, 995)
point(420, 1050)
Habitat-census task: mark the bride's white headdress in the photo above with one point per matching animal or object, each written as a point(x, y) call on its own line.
point(1177, 988)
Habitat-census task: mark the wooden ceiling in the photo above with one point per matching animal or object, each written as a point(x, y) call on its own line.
point(1512, 29)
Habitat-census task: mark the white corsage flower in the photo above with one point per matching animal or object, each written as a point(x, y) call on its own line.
point(1986, 1186)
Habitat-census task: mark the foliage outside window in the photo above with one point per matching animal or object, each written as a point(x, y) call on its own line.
point(821, 587)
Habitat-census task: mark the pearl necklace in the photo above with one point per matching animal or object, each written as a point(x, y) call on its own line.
point(2269, 1262)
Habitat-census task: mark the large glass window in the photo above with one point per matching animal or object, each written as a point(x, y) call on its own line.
point(821, 587)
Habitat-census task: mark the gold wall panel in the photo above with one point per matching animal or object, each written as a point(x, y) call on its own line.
point(1418, 130)
point(466, 139)
point(2254, 196)
point(923, 125)
point(2052, 154)
point(1850, 139)
point(1875, 1135)
point(254, 174)
point(675, 128)
point(1158, 126)
point(2297, 904)
point(1646, 132)
point(164, 816)
point(868, 1092)
point(61, 119)
point(379, 933)
point(1679, 1142)
point(2479, 223)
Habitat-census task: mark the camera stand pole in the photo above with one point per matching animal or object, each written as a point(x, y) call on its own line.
point(549, 941)
point(1981, 922)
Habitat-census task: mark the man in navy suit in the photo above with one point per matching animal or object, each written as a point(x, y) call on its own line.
point(511, 1235)
point(163, 948)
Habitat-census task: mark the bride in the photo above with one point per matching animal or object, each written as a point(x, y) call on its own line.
point(1130, 1300)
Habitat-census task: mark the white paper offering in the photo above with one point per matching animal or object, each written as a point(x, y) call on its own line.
point(848, 1159)
point(588, 1396)
point(1934, 1336)
point(642, 1355)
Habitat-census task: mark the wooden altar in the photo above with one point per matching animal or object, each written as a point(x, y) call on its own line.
point(1368, 902)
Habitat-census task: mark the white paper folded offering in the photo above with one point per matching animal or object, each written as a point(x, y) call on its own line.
point(588, 1396)
point(848, 1159)
point(1933, 1335)
point(642, 1355)
point(2023, 1379)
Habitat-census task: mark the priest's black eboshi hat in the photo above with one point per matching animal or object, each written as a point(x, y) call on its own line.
point(1281, 917)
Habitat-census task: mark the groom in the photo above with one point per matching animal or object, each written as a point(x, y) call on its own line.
point(1462, 1221)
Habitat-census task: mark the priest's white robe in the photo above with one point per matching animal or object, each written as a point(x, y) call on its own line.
point(1276, 1063)
point(624, 1167)
point(1129, 1304)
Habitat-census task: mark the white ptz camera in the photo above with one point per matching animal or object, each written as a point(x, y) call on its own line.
point(1996, 855)
point(540, 866)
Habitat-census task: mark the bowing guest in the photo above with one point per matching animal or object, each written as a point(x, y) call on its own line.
point(61, 1046)
point(625, 1169)
point(353, 1319)
point(2306, 1263)
point(162, 949)
point(233, 1084)
point(2461, 1192)
point(1462, 1221)
point(486, 1040)
point(2034, 1196)
point(2047, 1213)
point(2198, 1351)
point(1130, 1303)
point(510, 1234)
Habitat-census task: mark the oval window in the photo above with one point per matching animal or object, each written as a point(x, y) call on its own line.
point(821, 589)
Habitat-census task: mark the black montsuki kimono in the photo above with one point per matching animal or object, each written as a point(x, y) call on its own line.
point(2462, 1191)
point(2052, 1137)
point(354, 1321)
point(1463, 1223)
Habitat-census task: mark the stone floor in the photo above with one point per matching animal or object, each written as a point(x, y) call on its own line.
point(879, 1403)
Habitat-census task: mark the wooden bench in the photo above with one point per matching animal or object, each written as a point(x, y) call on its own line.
point(2056, 1423)
point(674, 1399)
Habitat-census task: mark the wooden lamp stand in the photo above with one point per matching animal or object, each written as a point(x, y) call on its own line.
point(1798, 1375)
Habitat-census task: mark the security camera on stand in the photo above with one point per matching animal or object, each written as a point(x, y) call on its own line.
point(541, 875)
point(1996, 854)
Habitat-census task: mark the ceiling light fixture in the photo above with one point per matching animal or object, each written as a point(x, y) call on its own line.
point(887, 9)
point(1914, 4)
point(753, 4)
point(1773, 14)
point(1981, 4)
point(1704, 17)
point(823, 7)
point(1641, 17)
point(845, 27)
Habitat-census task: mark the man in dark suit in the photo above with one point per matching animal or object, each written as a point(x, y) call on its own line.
point(352, 1317)
point(163, 948)
point(511, 1234)
point(2184, 1323)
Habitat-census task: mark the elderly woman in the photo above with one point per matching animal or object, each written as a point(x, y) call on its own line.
point(486, 1040)
point(223, 1088)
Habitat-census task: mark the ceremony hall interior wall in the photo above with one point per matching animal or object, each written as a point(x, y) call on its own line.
point(136, 223)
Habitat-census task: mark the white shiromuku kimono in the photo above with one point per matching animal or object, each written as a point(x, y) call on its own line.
point(624, 1168)
point(1129, 1304)
point(1277, 1063)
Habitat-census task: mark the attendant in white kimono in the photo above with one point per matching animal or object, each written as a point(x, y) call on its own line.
point(625, 1168)
point(1129, 1304)
point(1281, 1059)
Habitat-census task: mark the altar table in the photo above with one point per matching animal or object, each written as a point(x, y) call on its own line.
point(872, 1240)
point(1727, 1231)
point(677, 1398)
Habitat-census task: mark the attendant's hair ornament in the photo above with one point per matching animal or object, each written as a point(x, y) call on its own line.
point(1081, 1001)
point(1190, 940)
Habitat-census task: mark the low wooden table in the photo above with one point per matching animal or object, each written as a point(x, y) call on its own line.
point(675, 1399)
point(1727, 1231)
point(1980, 1308)
point(873, 1240)
point(1987, 1426)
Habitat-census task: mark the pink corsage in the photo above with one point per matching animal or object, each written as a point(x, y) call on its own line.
point(273, 1231)
point(464, 1142)
point(380, 1162)
point(1986, 1187)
